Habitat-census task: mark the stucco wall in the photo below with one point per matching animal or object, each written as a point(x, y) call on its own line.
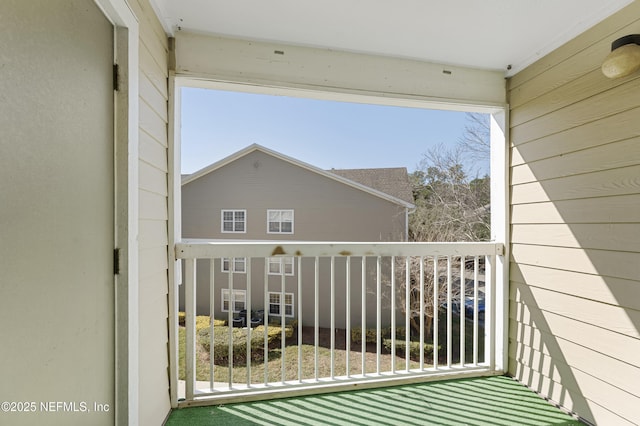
point(575, 227)
point(56, 222)
point(56, 214)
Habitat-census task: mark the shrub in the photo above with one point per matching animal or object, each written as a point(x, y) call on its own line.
point(275, 325)
point(221, 342)
point(219, 322)
point(371, 334)
point(202, 321)
point(414, 348)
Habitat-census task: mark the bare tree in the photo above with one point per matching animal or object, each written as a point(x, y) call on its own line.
point(476, 141)
point(450, 207)
point(432, 293)
point(450, 191)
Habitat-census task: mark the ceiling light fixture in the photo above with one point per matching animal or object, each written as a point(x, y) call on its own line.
point(624, 58)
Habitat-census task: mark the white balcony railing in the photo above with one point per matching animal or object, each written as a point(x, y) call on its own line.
point(346, 314)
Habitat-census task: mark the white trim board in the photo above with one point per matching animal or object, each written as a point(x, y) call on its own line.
point(126, 39)
point(337, 73)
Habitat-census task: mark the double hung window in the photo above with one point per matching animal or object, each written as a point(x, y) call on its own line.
point(280, 221)
point(280, 265)
point(275, 304)
point(234, 264)
point(237, 300)
point(234, 221)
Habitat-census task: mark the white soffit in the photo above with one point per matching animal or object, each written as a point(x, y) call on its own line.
point(489, 34)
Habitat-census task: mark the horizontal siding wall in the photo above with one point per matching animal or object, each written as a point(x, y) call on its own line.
point(574, 323)
point(153, 211)
point(324, 209)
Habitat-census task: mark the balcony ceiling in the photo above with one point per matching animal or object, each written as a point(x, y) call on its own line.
point(489, 34)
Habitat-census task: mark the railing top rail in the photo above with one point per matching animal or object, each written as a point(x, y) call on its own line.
point(211, 249)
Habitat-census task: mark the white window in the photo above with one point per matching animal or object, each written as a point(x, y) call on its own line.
point(238, 300)
point(275, 304)
point(234, 221)
point(279, 264)
point(280, 221)
point(236, 264)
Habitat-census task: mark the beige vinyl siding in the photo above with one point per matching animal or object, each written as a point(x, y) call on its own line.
point(574, 323)
point(606, 290)
point(153, 214)
point(618, 209)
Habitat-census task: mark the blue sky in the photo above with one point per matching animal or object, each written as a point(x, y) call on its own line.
point(325, 134)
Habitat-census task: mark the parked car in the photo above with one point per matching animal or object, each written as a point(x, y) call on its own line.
point(468, 306)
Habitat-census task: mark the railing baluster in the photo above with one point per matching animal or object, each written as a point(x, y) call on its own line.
point(476, 269)
point(348, 316)
point(283, 321)
point(363, 310)
point(190, 327)
point(232, 302)
point(248, 319)
point(449, 314)
point(300, 319)
point(333, 316)
point(463, 311)
point(316, 330)
point(436, 309)
point(393, 314)
point(212, 307)
point(490, 312)
point(407, 312)
point(378, 314)
point(265, 319)
point(421, 313)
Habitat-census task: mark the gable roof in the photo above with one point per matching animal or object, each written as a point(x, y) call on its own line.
point(376, 191)
point(393, 181)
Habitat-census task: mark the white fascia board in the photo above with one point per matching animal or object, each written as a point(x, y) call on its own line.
point(256, 147)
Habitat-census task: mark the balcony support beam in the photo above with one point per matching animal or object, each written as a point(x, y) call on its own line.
point(329, 74)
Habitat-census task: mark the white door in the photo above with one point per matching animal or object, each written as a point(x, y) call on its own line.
point(56, 211)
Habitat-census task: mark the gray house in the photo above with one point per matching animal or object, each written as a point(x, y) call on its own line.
point(258, 194)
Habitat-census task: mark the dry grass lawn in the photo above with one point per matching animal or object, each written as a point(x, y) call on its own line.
point(312, 366)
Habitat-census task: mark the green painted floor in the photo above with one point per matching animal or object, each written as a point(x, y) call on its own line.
point(477, 401)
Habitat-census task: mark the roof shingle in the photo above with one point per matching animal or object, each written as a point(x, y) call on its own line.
point(392, 181)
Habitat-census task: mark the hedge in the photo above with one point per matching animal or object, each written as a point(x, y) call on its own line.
point(221, 342)
point(202, 321)
point(414, 348)
point(371, 334)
